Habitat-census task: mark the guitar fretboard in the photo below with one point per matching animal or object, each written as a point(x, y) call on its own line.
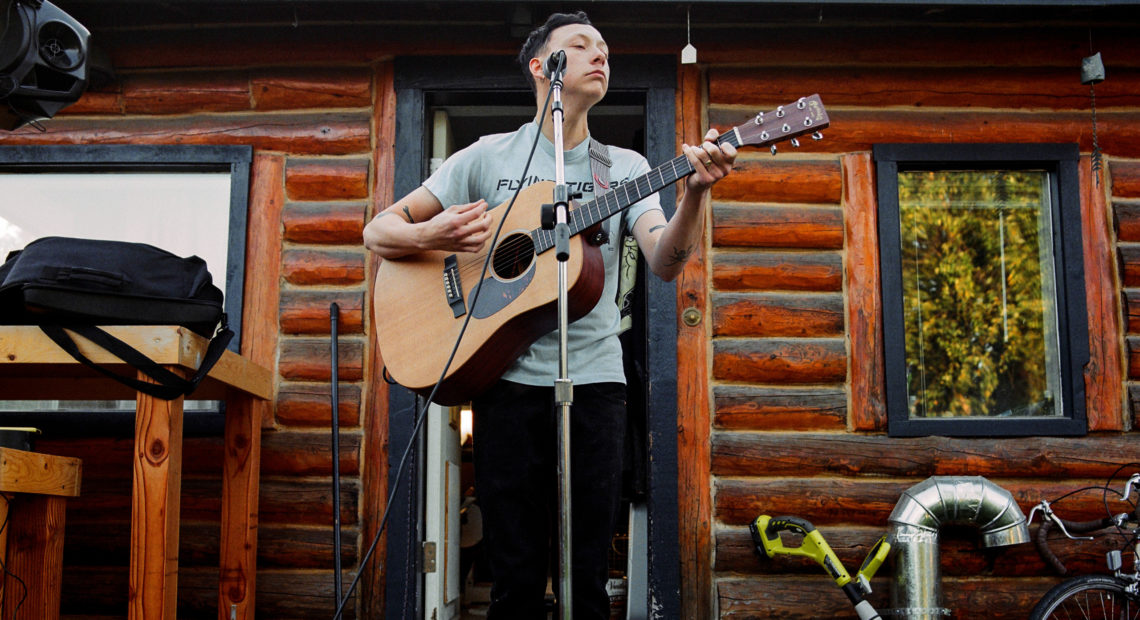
point(624, 195)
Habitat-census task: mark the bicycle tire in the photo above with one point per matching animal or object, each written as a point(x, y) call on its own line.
point(1092, 597)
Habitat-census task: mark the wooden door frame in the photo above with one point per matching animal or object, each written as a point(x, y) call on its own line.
point(655, 76)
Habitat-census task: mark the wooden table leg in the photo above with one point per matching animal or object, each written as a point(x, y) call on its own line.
point(241, 469)
point(155, 508)
point(35, 555)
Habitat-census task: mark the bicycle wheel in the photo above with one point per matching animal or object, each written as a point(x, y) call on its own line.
point(1088, 597)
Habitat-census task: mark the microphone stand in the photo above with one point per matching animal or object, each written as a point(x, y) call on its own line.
point(563, 386)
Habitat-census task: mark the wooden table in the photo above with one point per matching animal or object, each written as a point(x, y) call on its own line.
point(33, 367)
point(35, 487)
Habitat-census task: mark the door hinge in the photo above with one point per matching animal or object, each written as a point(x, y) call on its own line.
point(429, 557)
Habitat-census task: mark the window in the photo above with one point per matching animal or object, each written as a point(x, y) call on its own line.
point(189, 200)
point(985, 330)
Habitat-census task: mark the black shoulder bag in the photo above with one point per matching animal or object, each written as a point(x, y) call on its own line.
point(63, 283)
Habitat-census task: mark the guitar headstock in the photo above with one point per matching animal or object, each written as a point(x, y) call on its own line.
point(805, 116)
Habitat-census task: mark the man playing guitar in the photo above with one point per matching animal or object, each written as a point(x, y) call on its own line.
point(514, 419)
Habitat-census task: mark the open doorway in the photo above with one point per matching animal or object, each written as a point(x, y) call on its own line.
point(433, 570)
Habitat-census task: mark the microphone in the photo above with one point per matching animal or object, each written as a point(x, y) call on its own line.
point(554, 64)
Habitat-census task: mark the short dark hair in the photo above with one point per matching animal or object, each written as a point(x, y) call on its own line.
point(538, 38)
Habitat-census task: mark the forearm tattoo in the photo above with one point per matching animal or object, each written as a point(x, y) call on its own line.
point(679, 256)
point(408, 214)
point(657, 227)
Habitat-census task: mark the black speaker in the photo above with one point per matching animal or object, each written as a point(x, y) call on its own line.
point(43, 61)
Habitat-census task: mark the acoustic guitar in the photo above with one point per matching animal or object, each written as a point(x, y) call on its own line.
point(422, 301)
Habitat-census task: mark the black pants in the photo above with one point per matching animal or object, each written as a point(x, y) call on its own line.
point(516, 455)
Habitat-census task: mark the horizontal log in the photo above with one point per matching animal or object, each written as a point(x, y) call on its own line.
point(820, 454)
point(186, 93)
point(893, 86)
point(763, 226)
point(112, 457)
point(286, 546)
point(281, 501)
point(308, 453)
point(310, 404)
point(311, 87)
point(960, 553)
point(808, 598)
point(739, 407)
point(859, 130)
point(282, 593)
point(1126, 218)
point(830, 501)
point(320, 41)
point(298, 133)
point(295, 502)
point(330, 223)
point(1125, 178)
point(776, 271)
point(305, 311)
point(308, 359)
point(789, 597)
point(1132, 349)
point(780, 360)
point(229, 90)
point(1129, 264)
point(1132, 310)
point(316, 267)
point(326, 179)
point(759, 178)
point(877, 40)
point(777, 314)
point(95, 103)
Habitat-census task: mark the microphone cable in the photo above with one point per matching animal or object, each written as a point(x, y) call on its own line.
point(422, 411)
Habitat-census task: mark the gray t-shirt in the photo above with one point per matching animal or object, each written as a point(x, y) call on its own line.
point(490, 169)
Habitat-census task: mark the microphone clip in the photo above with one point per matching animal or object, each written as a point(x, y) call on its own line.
point(555, 65)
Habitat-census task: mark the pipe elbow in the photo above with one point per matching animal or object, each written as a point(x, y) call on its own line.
point(963, 500)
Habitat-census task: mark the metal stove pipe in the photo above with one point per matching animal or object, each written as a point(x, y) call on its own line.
point(916, 590)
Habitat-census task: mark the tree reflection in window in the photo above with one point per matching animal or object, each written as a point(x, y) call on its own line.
point(979, 294)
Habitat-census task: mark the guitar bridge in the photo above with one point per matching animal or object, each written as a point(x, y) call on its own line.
point(453, 287)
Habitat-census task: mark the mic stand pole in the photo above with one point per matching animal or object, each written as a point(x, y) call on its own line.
point(563, 386)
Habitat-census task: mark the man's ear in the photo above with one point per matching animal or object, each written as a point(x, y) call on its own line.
point(536, 69)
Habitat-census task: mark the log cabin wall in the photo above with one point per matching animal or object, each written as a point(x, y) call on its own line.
point(311, 117)
point(798, 417)
point(781, 400)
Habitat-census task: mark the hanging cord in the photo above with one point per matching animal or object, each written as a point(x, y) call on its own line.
point(422, 412)
point(1097, 157)
point(334, 333)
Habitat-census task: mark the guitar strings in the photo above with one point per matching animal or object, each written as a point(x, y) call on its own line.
point(522, 244)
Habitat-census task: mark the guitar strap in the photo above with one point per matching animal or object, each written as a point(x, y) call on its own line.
point(627, 272)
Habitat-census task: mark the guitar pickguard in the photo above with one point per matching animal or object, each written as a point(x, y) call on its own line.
point(498, 294)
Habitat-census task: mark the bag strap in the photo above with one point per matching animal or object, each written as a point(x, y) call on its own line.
point(169, 386)
point(600, 163)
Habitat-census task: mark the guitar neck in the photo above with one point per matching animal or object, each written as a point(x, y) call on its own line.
point(626, 194)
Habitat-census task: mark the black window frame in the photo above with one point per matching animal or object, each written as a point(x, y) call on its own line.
point(237, 160)
point(1060, 161)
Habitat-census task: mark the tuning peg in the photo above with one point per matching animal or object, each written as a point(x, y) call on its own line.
point(773, 149)
point(817, 136)
point(796, 142)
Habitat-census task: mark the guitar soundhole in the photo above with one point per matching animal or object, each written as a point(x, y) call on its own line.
point(513, 256)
